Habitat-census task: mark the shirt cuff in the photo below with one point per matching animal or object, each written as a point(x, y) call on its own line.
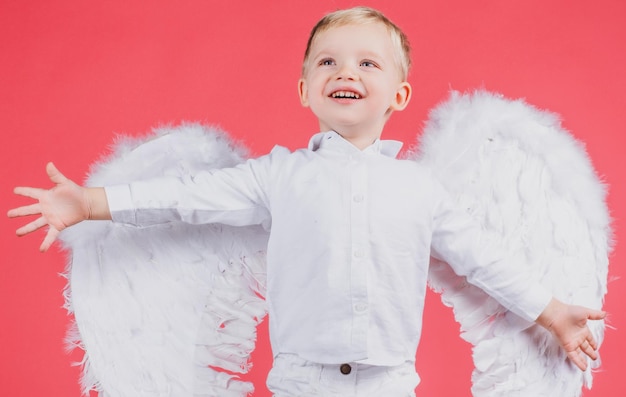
point(121, 204)
point(536, 301)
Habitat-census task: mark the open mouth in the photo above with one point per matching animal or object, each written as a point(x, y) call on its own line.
point(345, 94)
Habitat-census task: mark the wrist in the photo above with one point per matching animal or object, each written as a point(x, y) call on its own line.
point(97, 204)
point(549, 315)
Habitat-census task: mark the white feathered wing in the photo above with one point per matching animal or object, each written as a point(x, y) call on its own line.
point(518, 173)
point(162, 311)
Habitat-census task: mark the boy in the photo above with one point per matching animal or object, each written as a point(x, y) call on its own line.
point(352, 227)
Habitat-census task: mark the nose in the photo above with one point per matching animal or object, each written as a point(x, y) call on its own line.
point(346, 72)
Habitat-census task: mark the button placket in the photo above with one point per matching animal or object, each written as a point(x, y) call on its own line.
point(358, 270)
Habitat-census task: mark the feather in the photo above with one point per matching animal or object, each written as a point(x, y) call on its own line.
point(172, 310)
point(164, 310)
point(521, 175)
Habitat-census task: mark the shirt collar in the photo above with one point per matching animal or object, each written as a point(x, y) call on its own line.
point(331, 139)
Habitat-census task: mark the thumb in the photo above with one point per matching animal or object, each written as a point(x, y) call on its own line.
point(54, 174)
point(596, 315)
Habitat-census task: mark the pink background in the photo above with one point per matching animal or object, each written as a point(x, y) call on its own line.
point(75, 73)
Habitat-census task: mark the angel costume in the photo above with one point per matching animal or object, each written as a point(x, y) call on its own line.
point(353, 237)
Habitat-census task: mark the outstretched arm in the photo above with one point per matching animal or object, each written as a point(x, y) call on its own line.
point(568, 324)
point(62, 206)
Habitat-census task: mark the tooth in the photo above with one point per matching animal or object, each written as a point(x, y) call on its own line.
point(345, 94)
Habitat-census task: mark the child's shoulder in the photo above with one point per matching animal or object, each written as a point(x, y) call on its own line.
point(414, 165)
point(281, 157)
point(284, 153)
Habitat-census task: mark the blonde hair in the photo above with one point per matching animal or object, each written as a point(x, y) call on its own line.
point(364, 15)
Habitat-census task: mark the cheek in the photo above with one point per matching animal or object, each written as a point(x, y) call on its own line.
point(316, 91)
point(317, 85)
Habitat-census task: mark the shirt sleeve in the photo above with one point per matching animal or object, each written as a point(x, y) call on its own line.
point(481, 257)
point(236, 196)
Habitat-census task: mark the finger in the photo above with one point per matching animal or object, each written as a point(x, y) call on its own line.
point(592, 341)
point(50, 238)
point(32, 226)
point(578, 359)
point(596, 315)
point(31, 192)
point(589, 350)
point(54, 174)
point(32, 209)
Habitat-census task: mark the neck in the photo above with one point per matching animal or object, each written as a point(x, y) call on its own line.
point(360, 138)
point(359, 141)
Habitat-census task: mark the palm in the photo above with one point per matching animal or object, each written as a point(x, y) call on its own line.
point(59, 207)
point(570, 328)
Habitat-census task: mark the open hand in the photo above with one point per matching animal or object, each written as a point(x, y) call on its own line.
point(59, 207)
point(568, 323)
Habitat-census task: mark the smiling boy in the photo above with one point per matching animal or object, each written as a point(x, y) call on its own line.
point(352, 229)
point(354, 76)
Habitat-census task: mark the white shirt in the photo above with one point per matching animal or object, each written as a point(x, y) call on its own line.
point(351, 237)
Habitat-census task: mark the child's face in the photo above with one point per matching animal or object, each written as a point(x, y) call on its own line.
point(352, 81)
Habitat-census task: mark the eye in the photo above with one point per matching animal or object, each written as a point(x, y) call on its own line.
point(326, 62)
point(368, 64)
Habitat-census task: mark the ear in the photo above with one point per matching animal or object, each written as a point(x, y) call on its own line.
point(303, 93)
point(403, 96)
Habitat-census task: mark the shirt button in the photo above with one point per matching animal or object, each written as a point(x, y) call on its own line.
point(359, 253)
point(357, 198)
point(345, 369)
point(360, 307)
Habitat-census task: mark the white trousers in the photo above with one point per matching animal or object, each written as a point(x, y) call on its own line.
point(292, 376)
